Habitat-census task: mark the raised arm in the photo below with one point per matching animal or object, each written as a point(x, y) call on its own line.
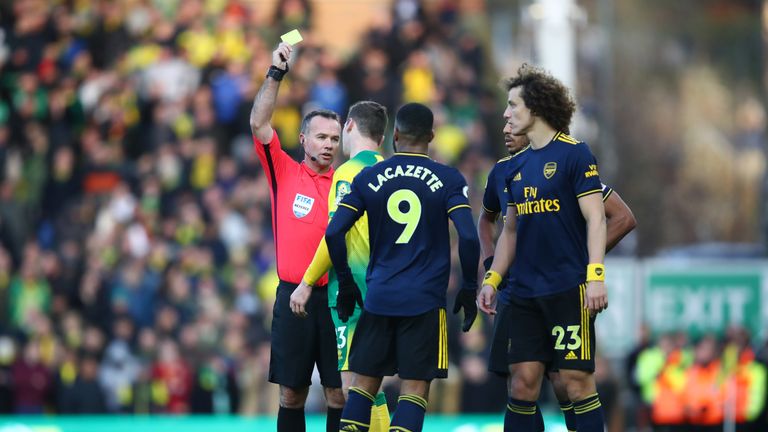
point(264, 103)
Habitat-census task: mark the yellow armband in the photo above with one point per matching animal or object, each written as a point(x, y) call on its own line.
point(492, 278)
point(595, 272)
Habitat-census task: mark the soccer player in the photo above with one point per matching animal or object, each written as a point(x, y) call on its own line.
point(409, 199)
point(554, 238)
point(362, 136)
point(619, 222)
point(299, 194)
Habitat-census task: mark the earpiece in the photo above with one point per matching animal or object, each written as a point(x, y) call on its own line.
point(301, 141)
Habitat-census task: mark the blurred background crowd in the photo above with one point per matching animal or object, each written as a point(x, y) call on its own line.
point(136, 257)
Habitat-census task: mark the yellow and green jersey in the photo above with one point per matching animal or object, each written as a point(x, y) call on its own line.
point(358, 245)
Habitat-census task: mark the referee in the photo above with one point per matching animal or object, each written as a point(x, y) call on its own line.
point(299, 195)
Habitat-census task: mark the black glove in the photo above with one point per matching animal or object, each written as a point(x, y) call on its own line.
point(487, 264)
point(467, 299)
point(349, 294)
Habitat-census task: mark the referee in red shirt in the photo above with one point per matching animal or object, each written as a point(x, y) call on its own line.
point(299, 194)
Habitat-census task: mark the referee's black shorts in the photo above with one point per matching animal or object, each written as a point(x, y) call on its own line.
point(300, 343)
point(413, 347)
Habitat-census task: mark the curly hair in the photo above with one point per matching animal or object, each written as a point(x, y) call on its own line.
point(544, 95)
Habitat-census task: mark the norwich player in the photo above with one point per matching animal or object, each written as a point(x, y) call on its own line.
point(362, 136)
point(554, 239)
point(619, 221)
point(409, 199)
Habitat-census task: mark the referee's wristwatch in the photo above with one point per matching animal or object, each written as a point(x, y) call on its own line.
point(276, 73)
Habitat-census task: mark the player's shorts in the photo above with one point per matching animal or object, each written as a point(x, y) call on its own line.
point(414, 347)
point(298, 343)
point(498, 358)
point(556, 330)
point(344, 333)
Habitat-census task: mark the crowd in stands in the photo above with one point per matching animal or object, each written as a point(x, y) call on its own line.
point(136, 257)
point(681, 385)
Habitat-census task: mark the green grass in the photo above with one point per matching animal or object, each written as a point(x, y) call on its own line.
point(315, 423)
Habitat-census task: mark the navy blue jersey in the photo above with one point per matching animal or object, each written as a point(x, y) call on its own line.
point(408, 199)
point(544, 185)
point(495, 201)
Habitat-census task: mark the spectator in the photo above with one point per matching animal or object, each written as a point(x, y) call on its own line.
point(118, 375)
point(32, 381)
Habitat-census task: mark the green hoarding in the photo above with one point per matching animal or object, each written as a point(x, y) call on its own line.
point(315, 423)
point(700, 300)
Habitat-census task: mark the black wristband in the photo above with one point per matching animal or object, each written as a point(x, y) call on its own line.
point(276, 73)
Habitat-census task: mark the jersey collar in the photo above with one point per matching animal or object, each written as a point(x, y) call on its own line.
point(411, 154)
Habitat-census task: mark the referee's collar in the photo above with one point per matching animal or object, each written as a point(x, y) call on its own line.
point(313, 173)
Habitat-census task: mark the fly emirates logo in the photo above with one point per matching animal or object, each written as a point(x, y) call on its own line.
point(416, 171)
point(535, 205)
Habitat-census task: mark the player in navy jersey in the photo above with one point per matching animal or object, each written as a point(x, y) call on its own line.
point(553, 245)
point(619, 221)
point(409, 199)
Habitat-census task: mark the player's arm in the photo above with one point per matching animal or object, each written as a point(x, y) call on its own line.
point(264, 103)
point(594, 214)
point(618, 218)
point(583, 174)
point(349, 211)
point(486, 222)
point(321, 261)
point(503, 256)
point(319, 266)
point(335, 237)
point(469, 255)
point(486, 232)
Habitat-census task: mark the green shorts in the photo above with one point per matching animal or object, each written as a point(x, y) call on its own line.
point(344, 333)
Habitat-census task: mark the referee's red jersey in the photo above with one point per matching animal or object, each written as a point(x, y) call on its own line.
point(299, 209)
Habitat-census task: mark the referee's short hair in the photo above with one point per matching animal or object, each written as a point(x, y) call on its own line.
point(318, 113)
point(415, 121)
point(371, 118)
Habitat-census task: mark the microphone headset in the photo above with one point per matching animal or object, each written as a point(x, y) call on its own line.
point(312, 158)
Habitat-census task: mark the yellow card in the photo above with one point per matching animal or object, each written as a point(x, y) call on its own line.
point(292, 37)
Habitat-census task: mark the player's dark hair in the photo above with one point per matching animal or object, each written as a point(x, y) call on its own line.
point(544, 95)
point(318, 113)
point(371, 118)
point(414, 122)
